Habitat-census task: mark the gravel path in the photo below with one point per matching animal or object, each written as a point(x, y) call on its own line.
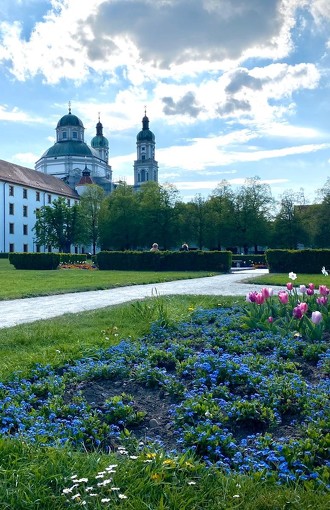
point(20, 311)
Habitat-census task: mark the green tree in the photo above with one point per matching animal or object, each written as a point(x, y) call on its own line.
point(289, 227)
point(59, 225)
point(119, 220)
point(252, 213)
point(221, 217)
point(321, 216)
point(158, 214)
point(90, 205)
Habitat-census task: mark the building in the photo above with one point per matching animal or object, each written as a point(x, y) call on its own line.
point(22, 192)
point(64, 170)
point(70, 154)
point(145, 166)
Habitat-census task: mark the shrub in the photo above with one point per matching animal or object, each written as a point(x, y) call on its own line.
point(303, 261)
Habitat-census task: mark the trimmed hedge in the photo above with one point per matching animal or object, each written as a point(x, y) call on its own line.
point(44, 261)
point(298, 261)
point(165, 260)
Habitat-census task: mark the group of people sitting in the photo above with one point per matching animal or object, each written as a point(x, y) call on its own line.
point(155, 247)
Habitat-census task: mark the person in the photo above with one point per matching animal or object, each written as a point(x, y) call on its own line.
point(184, 247)
point(154, 247)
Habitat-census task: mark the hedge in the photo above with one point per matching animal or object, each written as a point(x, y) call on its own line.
point(4, 255)
point(297, 261)
point(44, 261)
point(165, 260)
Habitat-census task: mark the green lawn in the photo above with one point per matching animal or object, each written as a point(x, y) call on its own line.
point(22, 283)
point(283, 279)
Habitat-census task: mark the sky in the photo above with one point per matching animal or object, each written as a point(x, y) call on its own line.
point(233, 89)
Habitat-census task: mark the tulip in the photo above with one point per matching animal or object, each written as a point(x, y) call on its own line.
point(322, 300)
point(270, 319)
point(303, 307)
point(259, 298)
point(267, 292)
point(316, 317)
point(297, 312)
point(289, 286)
point(251, 297)
point(283, 297)
point(323, 289)
point(311, 286)
point(302, 289)
point(310, 292)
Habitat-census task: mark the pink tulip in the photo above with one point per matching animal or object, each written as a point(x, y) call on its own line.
point(302, 289)
point(323, 289)
point(265, 292)
point(283, 297)
point(311, 286)
point(303, 307)
point(289, 286)
point(270, 319)
point(259, 298)
point(310, 292)
point(316, 317)
point(251, 297)
point(322, 300)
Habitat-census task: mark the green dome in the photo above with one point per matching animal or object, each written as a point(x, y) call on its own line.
point(145, 135)
point(69, 120)
point(69, 148)
point(99, 141)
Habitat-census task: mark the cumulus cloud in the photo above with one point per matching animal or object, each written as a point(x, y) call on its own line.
point(184, 106)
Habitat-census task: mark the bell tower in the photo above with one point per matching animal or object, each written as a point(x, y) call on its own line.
point(145, 166)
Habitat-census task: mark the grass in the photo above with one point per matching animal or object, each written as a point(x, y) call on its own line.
point(30, 283)
point(282, 279)
point(34, 477)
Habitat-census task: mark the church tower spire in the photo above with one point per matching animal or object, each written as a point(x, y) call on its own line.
point(145, 166)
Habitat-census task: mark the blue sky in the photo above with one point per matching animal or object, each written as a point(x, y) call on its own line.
point(233, 88)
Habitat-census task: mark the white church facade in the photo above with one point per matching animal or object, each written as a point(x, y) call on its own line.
point(63, 170)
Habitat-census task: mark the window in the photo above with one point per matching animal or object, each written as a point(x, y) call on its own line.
point(143, 156)
point(25, 193)
point(25, 211)
point(49, 199)
point(11, 247)
point(64, 135)
point(25, 248)
point(11, 191)
point(68, 202)
point(49, 248)
point(11, 228)
point(11, 209)
point(38, 196)
point(74, 134)
point(25, 230)
point(38, 248)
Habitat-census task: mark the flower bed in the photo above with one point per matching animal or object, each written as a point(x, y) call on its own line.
point(246, 401)
point(78, 265)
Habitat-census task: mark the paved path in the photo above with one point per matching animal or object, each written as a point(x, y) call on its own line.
point(20, 311)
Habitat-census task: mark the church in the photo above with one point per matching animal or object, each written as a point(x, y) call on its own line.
point(64, 170)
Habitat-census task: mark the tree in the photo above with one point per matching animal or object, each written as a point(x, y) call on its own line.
point(90, 205)
point(59, 225)
point(288, 227)
point(221, 217)
point(252, 213)
point(158, 214)
point(119, 220)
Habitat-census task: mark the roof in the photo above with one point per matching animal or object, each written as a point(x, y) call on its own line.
point(70, 148)
point(99, 141)
point(16, 174)
point(69, 120)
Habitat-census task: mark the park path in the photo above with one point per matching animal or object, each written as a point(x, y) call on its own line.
point(20, 311)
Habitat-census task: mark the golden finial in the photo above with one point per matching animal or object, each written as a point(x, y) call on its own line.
point(69, 106)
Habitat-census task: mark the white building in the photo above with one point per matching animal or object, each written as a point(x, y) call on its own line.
point(64, 170)
point(22, 192)
point(70, 155)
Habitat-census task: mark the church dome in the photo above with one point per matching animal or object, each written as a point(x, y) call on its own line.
point(69, 120)
point(70, 148)
point(145, 135)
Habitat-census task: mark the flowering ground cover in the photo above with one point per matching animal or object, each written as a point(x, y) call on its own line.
point(247, 401)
